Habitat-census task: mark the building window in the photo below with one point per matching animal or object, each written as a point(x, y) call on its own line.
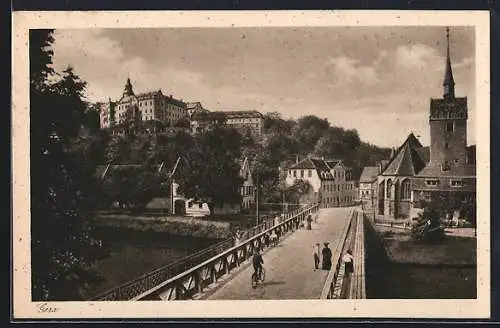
point(457, 183)
point(432, 183)
point(445, 166)
point(294, 174)
point(389, 187)
point(309, 173)
point(406, 189)
point(449, 126)
point(301, 173)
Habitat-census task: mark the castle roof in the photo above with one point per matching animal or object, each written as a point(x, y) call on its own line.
point(149, 95)
point(241, 114)
point(369, 174)
point(407, 161)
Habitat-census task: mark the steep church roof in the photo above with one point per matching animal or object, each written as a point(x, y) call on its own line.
point(369, 174)
point(448, 81)
point(407, 161)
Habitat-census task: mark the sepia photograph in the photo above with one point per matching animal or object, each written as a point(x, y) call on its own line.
point(317, 161)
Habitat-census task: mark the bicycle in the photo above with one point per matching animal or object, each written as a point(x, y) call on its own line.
point(261, 278)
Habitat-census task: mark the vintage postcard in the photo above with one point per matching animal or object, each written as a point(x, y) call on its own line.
point(258, 164)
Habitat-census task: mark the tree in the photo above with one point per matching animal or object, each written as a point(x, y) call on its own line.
point(295, 192)
point(62, 244)
point(213, 168)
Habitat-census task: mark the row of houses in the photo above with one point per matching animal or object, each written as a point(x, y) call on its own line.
point(170, 112)
point(399, 186)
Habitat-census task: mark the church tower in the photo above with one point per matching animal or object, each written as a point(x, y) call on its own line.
point(448, 123)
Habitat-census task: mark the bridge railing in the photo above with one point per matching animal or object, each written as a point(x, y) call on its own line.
point(329, 289)
point(149, 281)
point(198, 278)
point(357, 289)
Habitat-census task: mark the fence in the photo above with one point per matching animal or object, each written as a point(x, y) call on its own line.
point(329, 289)
point(194, 280)
point(149, 281)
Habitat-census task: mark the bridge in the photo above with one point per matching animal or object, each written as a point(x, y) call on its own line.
point(289, 265)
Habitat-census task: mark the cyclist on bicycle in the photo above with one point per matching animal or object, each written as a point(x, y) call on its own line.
point(257, 263)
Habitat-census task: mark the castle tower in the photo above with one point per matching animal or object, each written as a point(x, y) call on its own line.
point(128, 91)
point(448, 123)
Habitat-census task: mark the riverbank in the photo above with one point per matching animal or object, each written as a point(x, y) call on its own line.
point(399, 268)
point(171, 225)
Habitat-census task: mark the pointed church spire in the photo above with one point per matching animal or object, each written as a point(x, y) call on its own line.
point(448, 83)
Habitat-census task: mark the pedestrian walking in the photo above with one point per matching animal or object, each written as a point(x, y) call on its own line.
point(309, 220)
point(326, 253)
point(348, 260)
point(316, 256)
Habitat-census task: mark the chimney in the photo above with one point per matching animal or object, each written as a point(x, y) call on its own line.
point(296, 159)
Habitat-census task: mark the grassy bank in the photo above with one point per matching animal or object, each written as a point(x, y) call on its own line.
point(171, 225)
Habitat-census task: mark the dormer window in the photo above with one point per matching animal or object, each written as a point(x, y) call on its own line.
point(432, 183)
point(445, 166)
point(457, 183)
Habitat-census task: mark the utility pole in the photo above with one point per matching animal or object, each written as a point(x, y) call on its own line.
point(283, 185)
point(257, 201)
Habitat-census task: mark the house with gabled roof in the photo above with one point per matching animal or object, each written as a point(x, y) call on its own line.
point(331, 181)
point(368, 187)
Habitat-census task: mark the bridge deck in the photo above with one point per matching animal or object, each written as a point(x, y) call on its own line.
point(289, 267)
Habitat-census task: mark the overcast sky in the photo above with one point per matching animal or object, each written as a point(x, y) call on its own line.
point(376, 80)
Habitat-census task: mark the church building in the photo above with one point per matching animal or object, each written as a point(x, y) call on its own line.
point(446, 170)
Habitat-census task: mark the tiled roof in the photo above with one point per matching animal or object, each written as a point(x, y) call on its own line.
point(369, 174)
point(149, 95)
point(109, 169)
point(425, 153)
point(332, 162)
point(322, 169)
point(205, 115)
point(173, 101)
point(434, 170)
point(407, 161)
point(439, 106)
point(306, 163)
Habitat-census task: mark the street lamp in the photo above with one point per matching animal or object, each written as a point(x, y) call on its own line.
point(282, 182)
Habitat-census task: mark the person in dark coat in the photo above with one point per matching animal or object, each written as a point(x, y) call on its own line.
point(326, 253)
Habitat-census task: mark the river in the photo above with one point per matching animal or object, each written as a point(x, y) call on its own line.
point(131, 253)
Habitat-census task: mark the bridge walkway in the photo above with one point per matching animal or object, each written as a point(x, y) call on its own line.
point(289, 267)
